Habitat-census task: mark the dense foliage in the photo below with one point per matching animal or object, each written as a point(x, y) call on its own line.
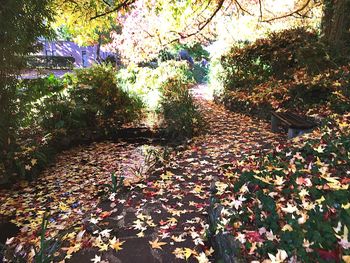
point(54, 113)
point(165, 90)
point(180, 113)
point(18, 38)
point(89, 104)
point(289, 70)
point(277, 56)
point(93, 99)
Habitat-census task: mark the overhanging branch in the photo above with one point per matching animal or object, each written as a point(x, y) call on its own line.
point(122, 5)
point(202, 26)
point(297, 11)
point(242, 8)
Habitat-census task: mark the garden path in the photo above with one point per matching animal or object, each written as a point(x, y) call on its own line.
point(170, 212)
point(162, 219)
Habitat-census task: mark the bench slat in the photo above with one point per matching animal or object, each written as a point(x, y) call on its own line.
point(293, 121)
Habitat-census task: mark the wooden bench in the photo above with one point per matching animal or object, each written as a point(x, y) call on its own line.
point(296, 125)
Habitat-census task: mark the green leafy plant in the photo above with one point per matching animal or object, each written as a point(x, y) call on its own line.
point(277, 56)
point(17, 18)
point(165, 90)
point(289, 70)
point(116, 184)
point(48, 247)
point(55, 111)
point(181, 115)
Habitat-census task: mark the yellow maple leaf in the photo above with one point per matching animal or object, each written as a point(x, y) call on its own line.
point(172, 220)
point(319, 162)
point(289, 209)
point(319, 149)
point(197, 189)
point(156, 244)
point(279, 180)
point(167, 175)
point(140, 234)
point(103, 247)
point(188, 252)
point(116, 244)
point(346, 259)
point(343, 124)
point(287, 228)
point(320, 200)
point(73, 249)
point(347, 206)
point(63, 207)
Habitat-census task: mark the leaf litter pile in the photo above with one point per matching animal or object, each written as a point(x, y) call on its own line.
point(162, 217)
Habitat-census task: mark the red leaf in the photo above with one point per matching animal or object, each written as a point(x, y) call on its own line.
point(254, 236)
point(105, 214)
point(328, 254)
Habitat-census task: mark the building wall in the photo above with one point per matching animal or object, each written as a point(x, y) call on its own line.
point(68, 48)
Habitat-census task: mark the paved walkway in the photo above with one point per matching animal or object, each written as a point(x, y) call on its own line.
point(164, 218)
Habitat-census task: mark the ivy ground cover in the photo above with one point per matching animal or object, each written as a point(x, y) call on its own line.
point(293, 203)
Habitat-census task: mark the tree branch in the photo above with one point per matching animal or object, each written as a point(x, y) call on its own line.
point(124, 4)
point(202, 26)
point(104, 1)
point(241, 7)
point(260, 10)
point(289, 14)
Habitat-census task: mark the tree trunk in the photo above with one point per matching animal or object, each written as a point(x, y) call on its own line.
point(98, 49)
point(336, 24)
point(6, 126)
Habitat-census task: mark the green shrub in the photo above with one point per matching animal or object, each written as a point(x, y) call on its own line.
point(164, 90)
point(289, 70)
point(277, 56)
point(51, 111)
point(93, 100)
point(96, 91)
point(200, 73)
point(195, 50)
point(180, 113)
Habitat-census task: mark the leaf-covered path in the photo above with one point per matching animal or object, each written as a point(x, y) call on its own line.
point(162, 219)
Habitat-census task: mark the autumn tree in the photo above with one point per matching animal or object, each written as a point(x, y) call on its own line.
point(186, 18)
point(150, 26)
point(21, 23)
point(88, 21)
